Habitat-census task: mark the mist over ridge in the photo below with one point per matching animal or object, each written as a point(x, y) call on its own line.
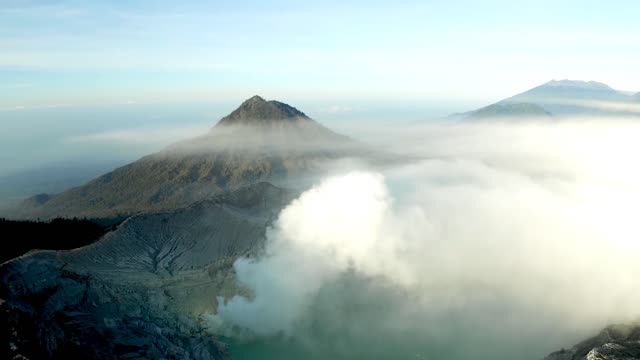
point(452, 239)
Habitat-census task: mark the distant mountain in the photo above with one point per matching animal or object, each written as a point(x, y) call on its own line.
point(636, 97)
point(572, 88)
point(561, 98)
point(524, 110)
point(572, 97)
point(260, 140)
point(568, 90)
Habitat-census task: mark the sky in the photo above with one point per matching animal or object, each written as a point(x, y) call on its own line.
point(76, 75)
point(70, 53)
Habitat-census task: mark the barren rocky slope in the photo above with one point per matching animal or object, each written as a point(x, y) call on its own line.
point(140, 291)
point(616, 342)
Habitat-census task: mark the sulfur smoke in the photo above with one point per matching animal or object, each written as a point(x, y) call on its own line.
point(502, 242)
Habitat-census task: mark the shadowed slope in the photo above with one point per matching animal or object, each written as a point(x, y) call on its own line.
point(141, 290)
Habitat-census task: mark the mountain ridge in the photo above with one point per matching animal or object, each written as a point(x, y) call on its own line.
point(260, 140)
point(561, 98)
point(500, 110)
point(590, 85)
point(258, 111)
point(567, 90)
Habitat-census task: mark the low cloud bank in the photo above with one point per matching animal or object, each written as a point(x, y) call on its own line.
point(151, 136)
point(505, 241)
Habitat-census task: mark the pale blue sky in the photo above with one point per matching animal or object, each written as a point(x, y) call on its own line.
point(72, 53)
point(93, 81)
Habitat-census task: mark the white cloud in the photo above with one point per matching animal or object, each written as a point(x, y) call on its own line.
point(144, 136)
point(523, 233)
point(620, 106)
